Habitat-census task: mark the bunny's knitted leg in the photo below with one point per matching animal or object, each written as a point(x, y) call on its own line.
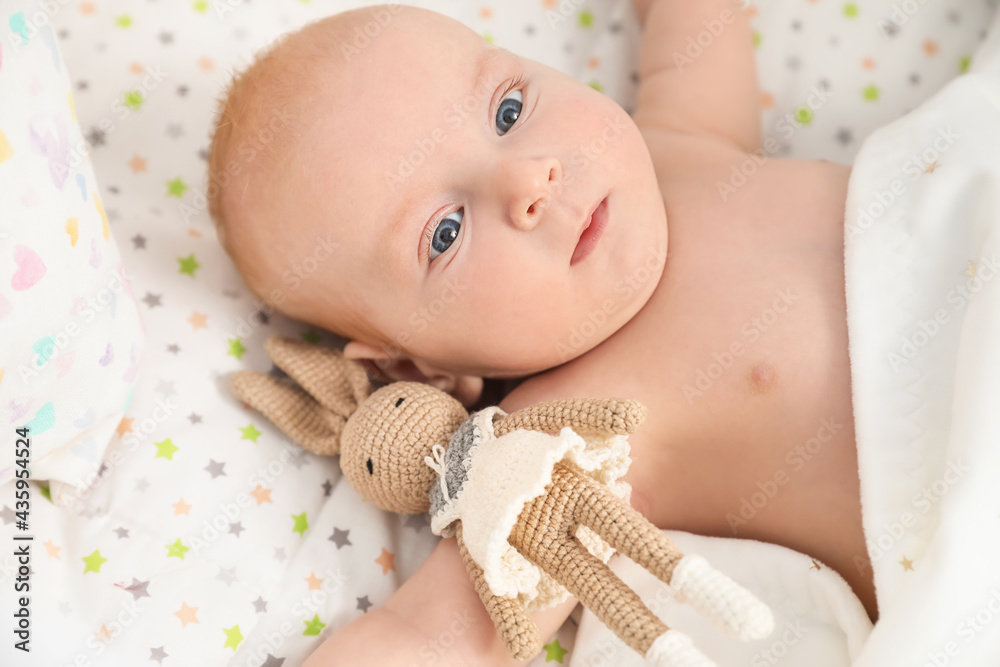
point(517, 630)
point(725, 603)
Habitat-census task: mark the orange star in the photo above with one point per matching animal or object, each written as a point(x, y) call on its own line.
point(386, 561)
point(137, 164)
point(550, 3)
point(135, 68)
point(868, 63)
point(751, 11)
point(313, 581)
point(194, 232)
point(86, 8)
point(930, 47)
point(931, 167)
point(187, 614)
point(197, 320)
point(104, 634)
point(261, 495)
point(766, 100)
point(53, 550)
point(124, 426)
point(205, 63)
point(181, 507)
point(593, 62)
point(485, 12)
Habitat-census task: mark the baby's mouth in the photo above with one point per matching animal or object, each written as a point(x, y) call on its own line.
point(590, 236)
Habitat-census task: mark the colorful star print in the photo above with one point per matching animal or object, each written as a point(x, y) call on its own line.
point(314, 627)
point(93, 562)
point(233, 637)
point(301, 524)
point(177, 549)
point(250, 433)
point(176, 188)
point(188, 265)
point(554, 652)
point(165, 449)
point(236, 348)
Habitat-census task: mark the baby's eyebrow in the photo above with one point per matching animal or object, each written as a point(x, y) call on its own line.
point(483, 66)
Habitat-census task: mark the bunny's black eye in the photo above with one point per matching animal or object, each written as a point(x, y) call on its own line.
point(399, 401)
point(371, 471)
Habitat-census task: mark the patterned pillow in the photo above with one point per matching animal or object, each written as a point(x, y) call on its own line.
point(70, 335)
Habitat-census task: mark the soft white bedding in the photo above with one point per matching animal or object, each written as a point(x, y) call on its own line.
point(277, 553)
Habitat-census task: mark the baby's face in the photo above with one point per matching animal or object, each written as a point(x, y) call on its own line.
point(457, 179)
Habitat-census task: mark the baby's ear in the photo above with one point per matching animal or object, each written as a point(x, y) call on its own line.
point(466, 389)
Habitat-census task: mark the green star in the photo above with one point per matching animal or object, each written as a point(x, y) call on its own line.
point(554, 652)
point(313, 627)
point(850, 10)
point(46, 491)
point(236, 348)
point(756, 38)
point(803, 115)
point(93, 562)
point(250, 433)
point(176, 188)
point(586, 18)
point(133, 99)
point(165, 449)
point(596, 86)
point(123, 21)
point(177, 549)
point(233, 637)
point(188, 265)
point(871, 93)
point(301, 524)
point(488, 37)
point(310, 336)
point(200, 6)
point(963, 64)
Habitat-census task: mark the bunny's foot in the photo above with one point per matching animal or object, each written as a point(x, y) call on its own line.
point(675, 649)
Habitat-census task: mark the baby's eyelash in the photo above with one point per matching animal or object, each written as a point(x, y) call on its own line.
point(518, 81)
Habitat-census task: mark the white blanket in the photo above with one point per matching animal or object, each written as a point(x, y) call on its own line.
point(922, 259)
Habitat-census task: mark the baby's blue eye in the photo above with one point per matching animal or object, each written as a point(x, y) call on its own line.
point(445, 234)
point(508, 111)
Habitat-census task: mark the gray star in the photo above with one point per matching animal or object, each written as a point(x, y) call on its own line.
point(273, 662)
point(152, 300)
point(121, 532)
point(834, 41)
point(182, 91)
point(844, 136)
point(173, 349)
point(529, 29)
point(615, 28)
point(914, 78)
point(263, 317)
point(363, 604)
point(95, 137)
point(166, 388)
point(141, 484)
point(796, 25)
point(63, 34)
point(202, 154)
point(417, 521)
point(227, 576)
point(81, 85)
point(279, 554)
point(138, 588)
point(954, 16)
point(139, 241)
point(157, 654)
point(231, 293)
point(100, 471)
point(175, 130)
point(300, 459)
point(889, 27)
point(236, 528)
point(7, 514)
point(260, 605)
point(339, 537)
point(215, 468)
point(166, 37)
point(194, 418)
point(793, 62)
point(824, 84)
point(327, 488)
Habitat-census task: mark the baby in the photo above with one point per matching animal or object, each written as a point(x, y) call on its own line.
point(459, 213)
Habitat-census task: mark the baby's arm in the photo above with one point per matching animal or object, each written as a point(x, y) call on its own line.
point(436, 616)
point(697, 71)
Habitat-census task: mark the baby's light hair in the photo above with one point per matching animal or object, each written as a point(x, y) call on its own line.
point(259, 124)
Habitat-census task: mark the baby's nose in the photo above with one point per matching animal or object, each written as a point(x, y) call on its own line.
point(529, 186)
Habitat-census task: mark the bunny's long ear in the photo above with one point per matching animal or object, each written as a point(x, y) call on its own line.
point(292, 410)
point(338, 384)
point(621, 416)
point(313, 414)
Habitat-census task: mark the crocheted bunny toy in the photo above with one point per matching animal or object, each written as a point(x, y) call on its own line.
point(534, 498)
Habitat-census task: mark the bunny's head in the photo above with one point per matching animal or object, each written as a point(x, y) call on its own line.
point(382, 437)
